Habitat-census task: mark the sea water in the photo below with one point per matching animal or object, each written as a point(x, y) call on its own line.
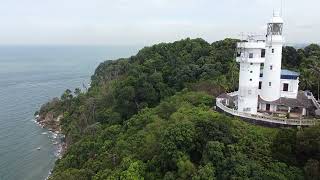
point(29, 77)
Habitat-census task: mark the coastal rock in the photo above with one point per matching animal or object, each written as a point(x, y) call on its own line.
point(49, 121)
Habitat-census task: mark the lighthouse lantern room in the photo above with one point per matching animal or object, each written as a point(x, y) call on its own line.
point(271, 88)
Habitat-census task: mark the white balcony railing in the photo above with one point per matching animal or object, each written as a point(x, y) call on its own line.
point(250, 60)
point(315, 102)
point(270, 119)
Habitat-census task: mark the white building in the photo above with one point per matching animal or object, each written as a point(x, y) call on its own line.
point(271, 82)
point(260, 86)
point(265, 88)
point(250, 56)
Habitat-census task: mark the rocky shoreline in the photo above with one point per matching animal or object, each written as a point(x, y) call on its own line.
point(52, 124)
point(49, 122)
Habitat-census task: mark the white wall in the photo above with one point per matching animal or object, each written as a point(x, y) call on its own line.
point(292, 91)
point(293, 88)
point(249, 82)
point(272, 92)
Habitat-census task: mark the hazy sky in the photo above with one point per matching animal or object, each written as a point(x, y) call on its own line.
point(144, 22)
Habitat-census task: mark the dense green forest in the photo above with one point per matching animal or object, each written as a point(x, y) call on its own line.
point(151, 116)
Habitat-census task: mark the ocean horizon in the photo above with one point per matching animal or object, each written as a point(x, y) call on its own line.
point(29, 77)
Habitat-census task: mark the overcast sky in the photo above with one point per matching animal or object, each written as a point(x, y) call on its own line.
point(144, 22)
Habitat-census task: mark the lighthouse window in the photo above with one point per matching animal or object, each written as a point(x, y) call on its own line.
point(269, 83)
point(260, 84)
point(272, 50)
point(251, 63)
point(238, 54)
point(271, 67)
point(250, 55)
point(251, 71)
point(277, 29)
point(263, 53)
point(250, 79)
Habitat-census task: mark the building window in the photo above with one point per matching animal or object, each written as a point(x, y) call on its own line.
point(250, 55)
point(272, 50)
point(238, 54)
point(261, 74)
point(271, 67)
point(251, 71)
point(269, 83)
point(250, 79)
point(263, 53)
point(251, 63)
point(268, 107)
point(285, 87)
point(260, 84)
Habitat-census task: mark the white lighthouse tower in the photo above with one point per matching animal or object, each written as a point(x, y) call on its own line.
point(250, 54)
point(268, 94)
point(271, 80)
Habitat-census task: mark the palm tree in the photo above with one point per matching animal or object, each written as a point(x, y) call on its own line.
point(306, 79)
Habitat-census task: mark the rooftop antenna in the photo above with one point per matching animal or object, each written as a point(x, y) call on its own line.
point(281, 8)
point(273, 12)
point(241, 35)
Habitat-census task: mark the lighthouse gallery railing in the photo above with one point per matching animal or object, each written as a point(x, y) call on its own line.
point(270, 119)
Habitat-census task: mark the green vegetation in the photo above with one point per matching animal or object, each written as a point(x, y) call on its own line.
point(150, 117)
point(182, 138)
point(307, 62)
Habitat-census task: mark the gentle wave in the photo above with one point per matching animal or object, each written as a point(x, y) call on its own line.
point(29, 77)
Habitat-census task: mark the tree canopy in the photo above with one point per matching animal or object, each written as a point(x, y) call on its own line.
point(151, 116)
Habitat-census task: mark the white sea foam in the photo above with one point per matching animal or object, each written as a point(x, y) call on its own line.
point(48, 78)
point(56, 139)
